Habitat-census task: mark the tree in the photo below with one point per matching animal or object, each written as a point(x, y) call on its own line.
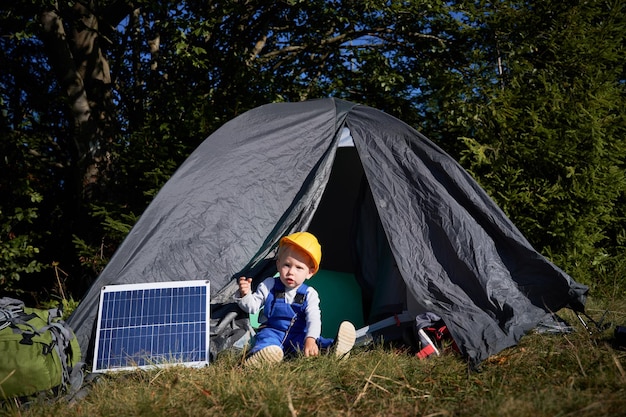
point(542, 122)
point(102, 100)
point(121, 117)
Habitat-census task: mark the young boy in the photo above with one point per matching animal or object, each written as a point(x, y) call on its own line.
point(293, 318)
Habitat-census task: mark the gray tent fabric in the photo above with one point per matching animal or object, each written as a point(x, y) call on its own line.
point(410, 223)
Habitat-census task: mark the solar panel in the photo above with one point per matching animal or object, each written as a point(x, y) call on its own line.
point(152, 325)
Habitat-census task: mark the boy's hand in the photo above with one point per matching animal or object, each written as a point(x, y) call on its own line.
point(244, 286)
point(310, 347)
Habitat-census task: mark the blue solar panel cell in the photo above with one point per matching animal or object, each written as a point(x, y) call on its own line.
point(145, 325)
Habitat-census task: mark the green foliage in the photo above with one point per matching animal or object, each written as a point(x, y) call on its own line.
point(529, 96)
point(114, 230)
point(541, 125)
point(17, 258)
point(19, 205)
point(67, 306)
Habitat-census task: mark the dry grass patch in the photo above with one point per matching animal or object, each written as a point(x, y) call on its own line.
point(560, 375)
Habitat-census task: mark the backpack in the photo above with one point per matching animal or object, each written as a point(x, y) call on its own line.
point(39, 352)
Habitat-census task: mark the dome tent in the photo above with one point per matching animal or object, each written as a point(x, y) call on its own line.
point(388, 206)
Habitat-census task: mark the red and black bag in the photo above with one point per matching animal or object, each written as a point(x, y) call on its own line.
point(433, 335)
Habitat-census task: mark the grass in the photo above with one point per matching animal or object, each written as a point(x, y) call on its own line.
point(576, 374)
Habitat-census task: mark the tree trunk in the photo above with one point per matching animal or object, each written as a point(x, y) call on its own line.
point(84, 76)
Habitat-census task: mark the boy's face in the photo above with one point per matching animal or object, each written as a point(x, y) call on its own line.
point(294, 268)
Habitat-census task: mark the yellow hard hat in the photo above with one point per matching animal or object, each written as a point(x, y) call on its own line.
point(308, 243)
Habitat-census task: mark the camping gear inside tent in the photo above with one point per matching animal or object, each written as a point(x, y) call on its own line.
point(392, 211)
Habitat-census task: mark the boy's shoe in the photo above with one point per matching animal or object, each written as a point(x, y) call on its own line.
point(346, 336)
point(267, 355)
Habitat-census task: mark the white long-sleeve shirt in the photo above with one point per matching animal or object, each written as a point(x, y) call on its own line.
point(253, 302)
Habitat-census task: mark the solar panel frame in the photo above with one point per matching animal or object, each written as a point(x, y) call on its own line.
point(147, 325)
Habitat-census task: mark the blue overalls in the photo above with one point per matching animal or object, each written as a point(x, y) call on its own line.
point(286, 323)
